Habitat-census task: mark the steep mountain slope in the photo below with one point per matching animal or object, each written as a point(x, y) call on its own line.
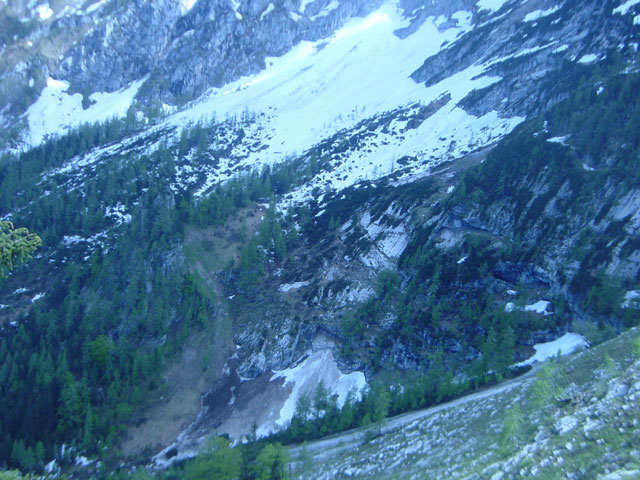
point(355, 193)
point(586, 429)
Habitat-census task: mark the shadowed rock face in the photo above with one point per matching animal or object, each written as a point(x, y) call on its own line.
point(181, 52)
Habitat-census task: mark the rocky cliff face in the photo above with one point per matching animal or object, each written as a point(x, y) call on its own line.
point(181, 49)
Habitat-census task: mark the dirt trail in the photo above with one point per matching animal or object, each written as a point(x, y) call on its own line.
point(326, 448)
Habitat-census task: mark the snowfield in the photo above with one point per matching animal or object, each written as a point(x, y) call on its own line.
point(315, 93)
point(69, 112)
point(323, 87)
point(565, 345)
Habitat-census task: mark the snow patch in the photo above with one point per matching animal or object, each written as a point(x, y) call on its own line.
point(269, 9)
point(325, 11)
point(117, 212)
point(631, 298)
point(463, 18)
point(51, 466)
point(589, 58)
point(37, 297)
point(306, 376)
point(560, 140)
point(235, 4)
point(491, 5)
point(625, 7)
point(187, 5)
point(68, 109)
point(565, 345)
point(286, 287)
point(83, 461)
point(95, 6)
point(303, 5)
point(541, 306)
point(538, 14)
point(44, 11)
point(462, 260)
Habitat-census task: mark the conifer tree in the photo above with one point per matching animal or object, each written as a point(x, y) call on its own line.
point(16, 246)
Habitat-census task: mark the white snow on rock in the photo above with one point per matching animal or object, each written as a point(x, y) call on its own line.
point(96, 6)
point(37, 297)
point(306, 376)
point(285, 287)
point(187, 4)
point(636, 20)
point(319, 88)
point(462, 260)
point(631, 298)
point(50, 467)
point(589, 58)
point(560, 140)
point(44, 11)
point(303, 5)
point(492, 5)
point(83, 461)
point(538, 14)
point(325, 11)
point(540, 306)
point(625, 7)
point(269, 9)
point(565, 345)
point(118, 214)
point(55, 111)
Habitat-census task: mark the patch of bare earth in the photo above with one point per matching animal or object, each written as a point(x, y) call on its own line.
point(199, 367)
point(189, 376)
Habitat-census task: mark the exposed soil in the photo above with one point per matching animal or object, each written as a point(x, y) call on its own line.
point(200, 368)
point(178, 403)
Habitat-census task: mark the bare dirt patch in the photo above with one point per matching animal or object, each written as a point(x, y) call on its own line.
point(187, 378)
point(199, 367)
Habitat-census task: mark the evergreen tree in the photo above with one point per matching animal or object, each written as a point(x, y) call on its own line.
point(16, 246)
